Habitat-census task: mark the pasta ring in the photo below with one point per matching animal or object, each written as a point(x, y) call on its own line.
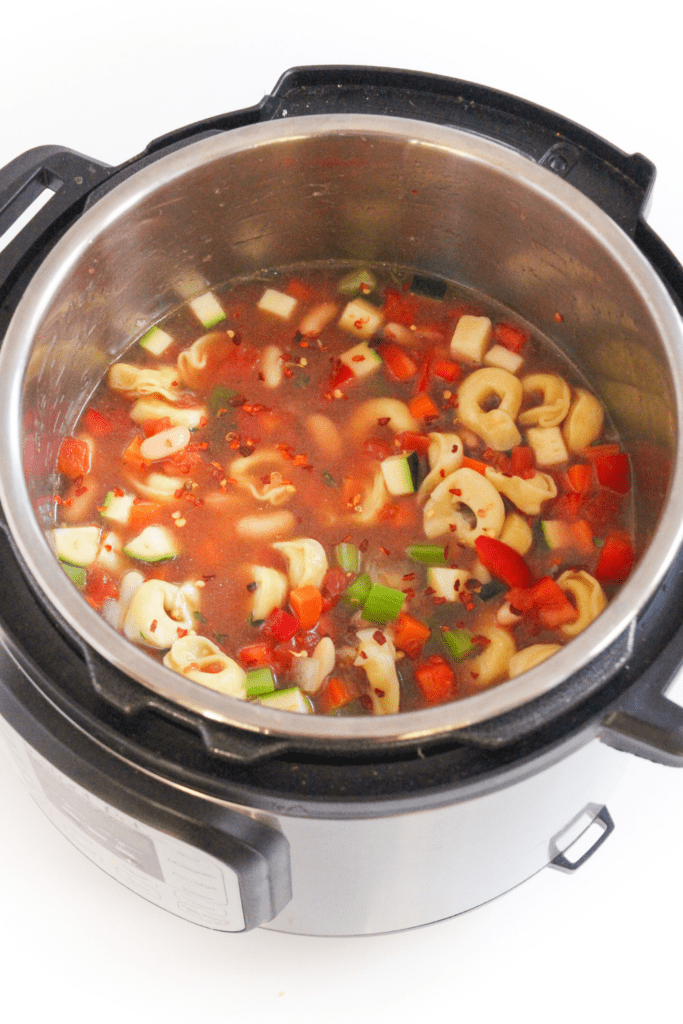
point(496, 427)
point(464, 487)
point(556, 398)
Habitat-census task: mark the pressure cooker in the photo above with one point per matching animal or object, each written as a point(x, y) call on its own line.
point(233, 815)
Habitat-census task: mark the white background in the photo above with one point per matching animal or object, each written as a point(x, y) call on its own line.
point(601, 945)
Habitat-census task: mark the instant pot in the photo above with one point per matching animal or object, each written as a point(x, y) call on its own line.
point(233, 815)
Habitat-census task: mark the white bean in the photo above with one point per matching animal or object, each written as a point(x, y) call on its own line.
point(165, 444)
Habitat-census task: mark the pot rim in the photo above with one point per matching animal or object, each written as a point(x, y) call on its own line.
point(420, 726)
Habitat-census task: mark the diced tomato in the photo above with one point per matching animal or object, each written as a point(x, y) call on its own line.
point(74, 457)
point(602, 510)
point(298, 290)
point(411, 442)
point(436, 679)
point(423, 408)
point(398, 362)
point(616, 559)
point(335, 582)
point(509, 337)
point(503, 562)
point(280, 625)
point(580, 477)
point(400, 308)
point(614, 471)
point(545, 603)
point(378, 448)
point(100, 586)
point(410, 634)
point(256, 654)
point(97, 424)
point(151, 427)
point(522, 462)
point(447, 370)
point(340, 375)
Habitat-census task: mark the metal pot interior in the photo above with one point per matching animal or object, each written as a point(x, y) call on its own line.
point(357, 188)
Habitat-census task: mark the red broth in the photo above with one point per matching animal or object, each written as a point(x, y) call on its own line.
point(498, 529)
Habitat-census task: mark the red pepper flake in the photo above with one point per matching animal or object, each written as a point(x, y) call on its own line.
point(118, 492)
point(438, 600)
point(181, 632)
point(380, 693)
point(383, 420)
point(442, 474)
point(379, 637)
point(429, 590)
point(177, 494)
point(84, 490)
point(475, 675)
point(153, 625)
point(558, 318)
point(454, 448)
point(408, 576)
point(358, 358)
point(385, 551)
point(58, 499)
point(364, 545)
point(366, 701)
point(108, 547)
point(454, 490)
point(360, 322)
point(287, 372)
point(202, 422)
point(481, 641)
point(363, 655)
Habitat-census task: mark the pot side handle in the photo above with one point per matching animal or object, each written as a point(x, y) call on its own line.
point(644, 721)
point(65, 173)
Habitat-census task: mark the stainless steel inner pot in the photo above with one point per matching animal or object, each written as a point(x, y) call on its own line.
point(342, 187)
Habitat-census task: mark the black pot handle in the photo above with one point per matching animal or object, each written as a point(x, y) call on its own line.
point(69, 175)
point(644, 721)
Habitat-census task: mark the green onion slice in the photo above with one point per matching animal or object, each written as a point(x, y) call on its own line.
point(383, 604)
point(428, 554)
point(357, 593)
point(348, 557)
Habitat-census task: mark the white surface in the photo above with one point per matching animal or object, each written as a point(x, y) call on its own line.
point(104, 80)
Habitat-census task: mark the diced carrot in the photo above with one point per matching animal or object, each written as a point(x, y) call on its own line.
point(307, 604)
point(447, 370)
point(131, 455)
point(423, 408)
point(74, 457)
point(580, 477)
point(144, 513)
point(336, 693)
point(435, 677)
point(479, 467)
point(398, 362)
point(411, 635)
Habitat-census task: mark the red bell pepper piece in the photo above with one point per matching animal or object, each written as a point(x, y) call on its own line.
point(281, 626)
point(411, 442)
point(504, 562)
point(509, 337)
point(522, 462)
point(545, 602)
point(435, 677)
point(398, 362)
point(614, 471)
point(447, 370)
point(616, 559)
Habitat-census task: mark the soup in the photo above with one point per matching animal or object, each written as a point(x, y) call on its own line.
point(345, 491)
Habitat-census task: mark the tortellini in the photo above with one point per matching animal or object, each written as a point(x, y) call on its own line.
point(379, 662)
point(445, 455)
point(496, 427)
point(584, 421)
point(197, 364)
point(465, 487)
point(492, 664)
point(135, 381)
point(527, 495)
point(589, 598)
point(199, 659)
point(556, 398)
point(396, 413)
point(247, 472)
point(271, 591)
point(157, 611)
point(529, 657)
point(306, 561)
